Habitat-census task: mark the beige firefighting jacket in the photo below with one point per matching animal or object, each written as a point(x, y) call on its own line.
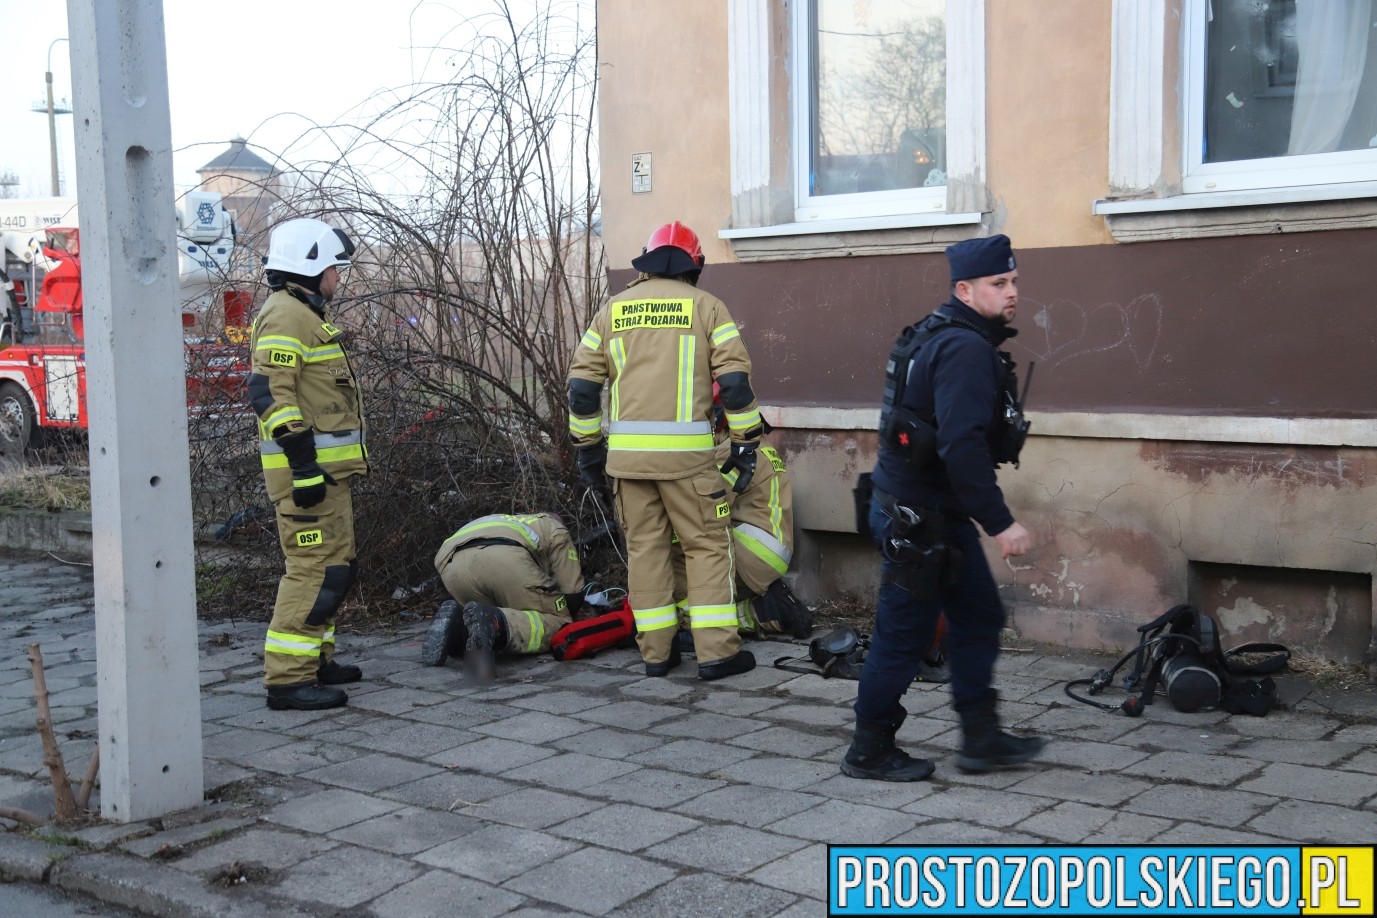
point(301, 378)
point(542, 534)
point(659, 344)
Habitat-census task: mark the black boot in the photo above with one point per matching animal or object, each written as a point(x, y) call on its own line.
point(487, 634)
point(984, 746)
point(794, 617)
point(676, 656)
point(873, 755)
point(440, 639)
point(683, 639)
point(305, 696)
point(332, 673)
point(743, 661)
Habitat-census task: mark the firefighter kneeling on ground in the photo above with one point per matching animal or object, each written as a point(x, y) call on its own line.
point(762, 521)
point(311, 444)
point(519, 580)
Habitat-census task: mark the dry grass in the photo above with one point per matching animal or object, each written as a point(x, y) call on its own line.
point(66, 488)
point(1327, 674)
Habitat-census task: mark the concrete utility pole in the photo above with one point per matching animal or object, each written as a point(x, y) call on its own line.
point(52, 120)
point(148, 687)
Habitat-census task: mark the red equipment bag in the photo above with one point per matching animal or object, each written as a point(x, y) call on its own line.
point(585, 638)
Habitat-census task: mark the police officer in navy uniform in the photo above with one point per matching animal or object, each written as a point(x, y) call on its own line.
point(959, 390)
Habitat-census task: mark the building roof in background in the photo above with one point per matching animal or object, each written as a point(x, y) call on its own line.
point(238, 158)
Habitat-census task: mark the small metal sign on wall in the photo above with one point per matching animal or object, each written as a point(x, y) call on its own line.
point(640, 173)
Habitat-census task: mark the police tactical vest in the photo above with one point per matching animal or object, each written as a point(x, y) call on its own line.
point(906, 432)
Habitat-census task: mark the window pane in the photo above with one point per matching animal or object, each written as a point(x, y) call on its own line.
point(1285, 78)
point(879, 118)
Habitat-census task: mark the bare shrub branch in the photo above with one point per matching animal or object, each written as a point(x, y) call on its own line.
point(479, 265)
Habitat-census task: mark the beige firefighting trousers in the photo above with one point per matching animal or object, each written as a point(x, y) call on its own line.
point(506, 576)
point(318, 544)
point(651, 512)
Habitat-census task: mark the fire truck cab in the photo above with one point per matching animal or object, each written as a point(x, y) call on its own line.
point(42, 326)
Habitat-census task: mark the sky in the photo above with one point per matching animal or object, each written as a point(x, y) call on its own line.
point(265, 70)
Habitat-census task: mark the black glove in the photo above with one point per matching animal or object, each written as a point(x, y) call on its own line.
point(308, 485)
point(593, 465)
point(308, 478)
point(743, 460)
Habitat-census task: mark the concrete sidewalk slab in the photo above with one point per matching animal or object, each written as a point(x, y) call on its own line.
point(586, 788)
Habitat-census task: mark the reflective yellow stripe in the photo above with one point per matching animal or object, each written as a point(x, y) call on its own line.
point(333, 454)
point(614, 401)
point(654, 442)
point(307, 482)
point(655, 619)
point(281, 343)
point(745, 420)
point(537, 631)
point(713, 616)
point(328, 637)
point(776, 511)
point(745, 618)
point(323, 353)
point(281, 416)
point(725, 333)
point(508, 524)
point(591, 340)
point(761, 544)
point(585, 427)
point(296, 645)
point(683, 410)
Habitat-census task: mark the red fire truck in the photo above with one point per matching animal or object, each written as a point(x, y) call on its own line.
point(42, 351)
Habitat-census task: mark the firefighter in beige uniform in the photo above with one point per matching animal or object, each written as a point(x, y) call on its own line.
point(311, 444)
point(659, 344)
point(520, 581)
point(762, 523)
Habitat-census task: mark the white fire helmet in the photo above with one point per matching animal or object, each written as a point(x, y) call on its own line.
point(306, 247)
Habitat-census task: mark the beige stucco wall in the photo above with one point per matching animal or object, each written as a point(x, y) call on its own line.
point(1047, 118)
point(663, 86)
point(666, 93)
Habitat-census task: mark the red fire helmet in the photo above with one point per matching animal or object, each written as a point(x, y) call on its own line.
point(680, 237)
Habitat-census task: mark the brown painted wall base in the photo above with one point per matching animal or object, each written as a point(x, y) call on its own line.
point(1252, 325)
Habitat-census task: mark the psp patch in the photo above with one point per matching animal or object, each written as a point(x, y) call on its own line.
point(723, 511)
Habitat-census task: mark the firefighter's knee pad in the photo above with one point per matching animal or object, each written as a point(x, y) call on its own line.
point(333, 586)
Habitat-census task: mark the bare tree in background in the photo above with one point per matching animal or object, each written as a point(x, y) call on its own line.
point(471, 287)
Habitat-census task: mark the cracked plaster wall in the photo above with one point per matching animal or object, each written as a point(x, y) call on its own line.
point(1117, 524)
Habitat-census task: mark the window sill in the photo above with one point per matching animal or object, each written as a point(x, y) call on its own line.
point(1297, 209)
point(892, 235)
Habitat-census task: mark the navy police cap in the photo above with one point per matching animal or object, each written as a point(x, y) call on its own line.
point(982, 257)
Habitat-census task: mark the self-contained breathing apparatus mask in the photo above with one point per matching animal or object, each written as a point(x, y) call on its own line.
point(914, 436)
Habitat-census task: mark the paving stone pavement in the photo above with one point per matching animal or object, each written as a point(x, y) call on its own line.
point(584, 788)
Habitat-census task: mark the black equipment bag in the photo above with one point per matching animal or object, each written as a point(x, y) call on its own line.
point(1180, 653)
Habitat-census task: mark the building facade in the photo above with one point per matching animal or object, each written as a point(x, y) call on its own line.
point(1191, 187)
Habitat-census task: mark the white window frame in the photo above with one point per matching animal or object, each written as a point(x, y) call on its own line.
point(809, 206)
point(961, 201)
point(1242, 175)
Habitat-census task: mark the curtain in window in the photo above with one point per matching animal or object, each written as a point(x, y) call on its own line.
point(1332, 44)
